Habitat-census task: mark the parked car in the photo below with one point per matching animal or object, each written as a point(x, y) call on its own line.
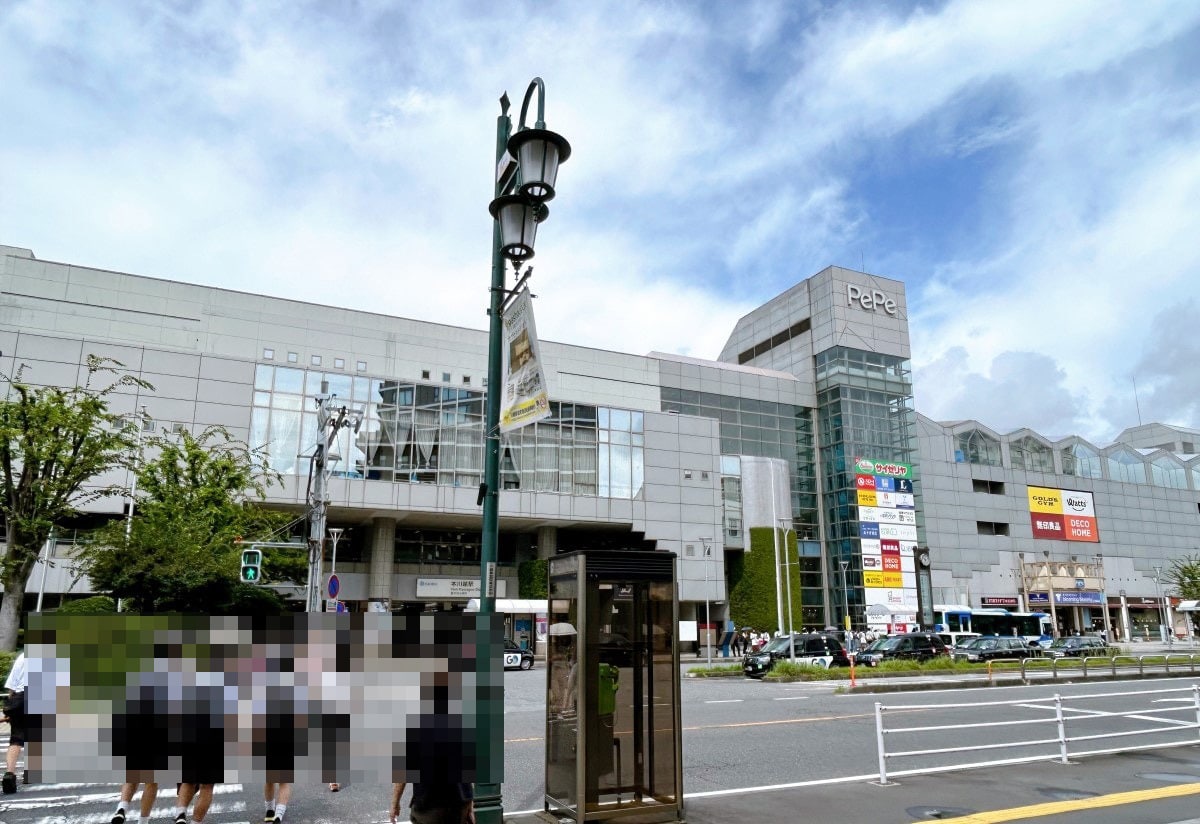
point(993, 647)
point(911, 646)
point(515, 657)
point(1077, 646)
point(958, 639)
point(871, 647)
point(816, 649)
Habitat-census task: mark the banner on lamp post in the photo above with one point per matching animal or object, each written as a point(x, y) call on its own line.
point(525, 399)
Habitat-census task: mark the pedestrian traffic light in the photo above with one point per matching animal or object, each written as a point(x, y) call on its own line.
point(251, 566)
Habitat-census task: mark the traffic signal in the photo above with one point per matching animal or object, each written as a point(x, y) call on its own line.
point(251, 566)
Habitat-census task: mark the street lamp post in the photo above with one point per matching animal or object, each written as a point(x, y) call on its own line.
point(1050, 594)
point(845, 597)
point(1162, 632)
point(1108, 637)
point(784, 523)
point(144, 424)
point(704, 542)
point(526, 169)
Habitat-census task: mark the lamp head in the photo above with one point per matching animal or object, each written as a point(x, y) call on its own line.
point(538, 153)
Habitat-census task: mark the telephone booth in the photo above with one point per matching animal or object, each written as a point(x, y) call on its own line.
point(613, 735)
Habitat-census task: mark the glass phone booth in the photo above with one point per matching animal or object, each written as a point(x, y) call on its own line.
point(613, 735)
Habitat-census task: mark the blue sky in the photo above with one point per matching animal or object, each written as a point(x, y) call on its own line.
point(1030, 170)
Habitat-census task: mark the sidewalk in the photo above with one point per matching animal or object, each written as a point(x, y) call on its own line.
point(1084, 788)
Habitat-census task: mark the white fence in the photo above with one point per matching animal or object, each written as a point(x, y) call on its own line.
point(1070, 718)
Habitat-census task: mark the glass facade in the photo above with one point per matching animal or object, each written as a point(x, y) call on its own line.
point(865, 404)
point(761, 429)
point(1168, 473)
point(977, 447)
point(1031, 454)
point(420, 433)
point(1080, 460)
point(1127, 466)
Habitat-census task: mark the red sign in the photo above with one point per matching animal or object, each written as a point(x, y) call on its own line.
point(891, 563)
point(865, 481)
point(1081, 528)
point(998, 601)
point(1047, 525)
point(889, 547)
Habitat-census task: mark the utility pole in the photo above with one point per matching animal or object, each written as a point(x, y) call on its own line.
point(144, 424)
point(331, 419)
point(704, 542)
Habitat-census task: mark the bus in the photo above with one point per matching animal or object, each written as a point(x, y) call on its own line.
point(1032, 626)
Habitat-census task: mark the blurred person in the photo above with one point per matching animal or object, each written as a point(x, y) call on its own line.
point(14, 714)
point(145, 808)
point(435, 803)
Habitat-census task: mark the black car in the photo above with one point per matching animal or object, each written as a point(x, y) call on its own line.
point(814, 649)
point(911, 646)
point(993, 647)
point(1078, 646)
point(515, 657)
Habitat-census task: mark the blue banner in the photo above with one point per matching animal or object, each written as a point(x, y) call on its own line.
point(1073, 598)
point(868, 530)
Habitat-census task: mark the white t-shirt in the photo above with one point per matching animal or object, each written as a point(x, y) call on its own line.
point(18, 676)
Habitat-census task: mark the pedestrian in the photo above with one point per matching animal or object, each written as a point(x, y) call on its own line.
point(145, 808)
point(436, 803)
point(185, 793)
point(276, 795)
point(735, 644)
point(14, 714)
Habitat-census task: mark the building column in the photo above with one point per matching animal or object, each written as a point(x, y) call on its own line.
point(547, 541)
point(382, 564)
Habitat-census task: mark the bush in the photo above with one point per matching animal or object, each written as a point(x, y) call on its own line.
point(752, 597)
point(6, 661)
point(531, 578)
point(716, 669)
point(95, 605)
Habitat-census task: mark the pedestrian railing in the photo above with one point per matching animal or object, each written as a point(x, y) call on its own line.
point(1167, 663)
point(1070, 720)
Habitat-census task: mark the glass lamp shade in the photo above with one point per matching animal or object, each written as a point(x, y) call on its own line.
point(518, 218)
point(538, 153)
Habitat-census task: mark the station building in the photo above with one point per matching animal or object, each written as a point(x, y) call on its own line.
point(803, 426)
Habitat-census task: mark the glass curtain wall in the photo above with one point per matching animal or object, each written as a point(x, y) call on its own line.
point(865, 404)
point(763, 429)
point(423, 433)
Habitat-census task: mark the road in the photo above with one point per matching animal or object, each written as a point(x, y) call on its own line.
point(737, 734)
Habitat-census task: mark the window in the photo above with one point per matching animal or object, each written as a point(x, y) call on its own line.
point(316, 360)
point(978, 447)
point(1080, 460)
point(687, 474)
point(1031, 454)
point(466, 380)
point(339, 363)
point(989, 487)
point(293, 357)
point(424, 374)
point(1166, 472)
point(445, 377)
point(1126, 466)
point(361, 366)
point(990, 528)
point(268, 354)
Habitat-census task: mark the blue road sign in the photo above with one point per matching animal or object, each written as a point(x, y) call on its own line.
point(335, 586)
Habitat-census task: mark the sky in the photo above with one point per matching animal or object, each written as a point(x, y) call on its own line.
point(1029, 170)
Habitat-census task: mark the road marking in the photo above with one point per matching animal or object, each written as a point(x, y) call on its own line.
point(1060, 807)
point(726, 701)
point(793, 698)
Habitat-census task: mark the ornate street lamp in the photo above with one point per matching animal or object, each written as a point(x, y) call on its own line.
point(526, 171)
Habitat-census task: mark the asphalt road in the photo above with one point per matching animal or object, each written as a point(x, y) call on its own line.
point(737, 733)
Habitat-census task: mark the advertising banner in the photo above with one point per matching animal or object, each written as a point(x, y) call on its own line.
point(867, 497)
point(1063, 515)
point(525, 399)
point(865, 466)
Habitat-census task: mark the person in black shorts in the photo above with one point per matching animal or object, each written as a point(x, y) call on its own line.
point(141, 738)
point(202, 735)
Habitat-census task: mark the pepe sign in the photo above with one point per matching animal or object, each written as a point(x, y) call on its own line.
point(865, 466)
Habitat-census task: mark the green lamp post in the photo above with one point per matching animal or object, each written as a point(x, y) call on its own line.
point(526, 169)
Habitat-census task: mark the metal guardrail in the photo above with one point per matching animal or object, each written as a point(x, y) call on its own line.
point(1183, 662)
point(1061, 740)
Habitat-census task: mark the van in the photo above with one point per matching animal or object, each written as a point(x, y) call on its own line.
point(958, 639)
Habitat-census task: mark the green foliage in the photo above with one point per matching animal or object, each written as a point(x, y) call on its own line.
point(53, 441)
point(6, 660)
point(181, 553)
point(715, 670)
point(531, 578)
point(752, 599)
point(95, 605)
point(1184, 573)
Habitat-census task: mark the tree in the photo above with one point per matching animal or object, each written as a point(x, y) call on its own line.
point(1184, 574)
point(182, 553)
point(53, 442)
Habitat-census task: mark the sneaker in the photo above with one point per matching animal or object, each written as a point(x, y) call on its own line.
point(270, 817)
point(9, 783)
point(119, 817)
point(181, 818)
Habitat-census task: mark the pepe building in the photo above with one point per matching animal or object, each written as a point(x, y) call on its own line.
point(801, 435)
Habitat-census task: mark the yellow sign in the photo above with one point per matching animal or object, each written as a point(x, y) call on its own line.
point(1042, 499)
point(867, 497)
point(873, 580)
